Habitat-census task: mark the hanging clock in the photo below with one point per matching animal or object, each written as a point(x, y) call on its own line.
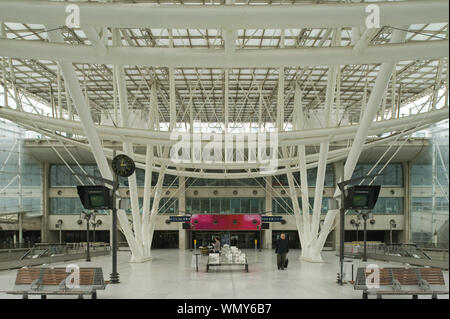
point(123, 165)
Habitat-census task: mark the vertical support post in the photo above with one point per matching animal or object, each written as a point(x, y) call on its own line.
point(226, 101)
point(341, 238)
point(172, 96)
point(114, 276)
point(268, 208)
point(128, 148)
point(19, 216)
point(58, 80)
point(45, 199)
point(260, 239)
point(280, 103)
point(88, 218)
point(357, 231)
point(433, 187)
point(365, 215)
point(407, 203)
point(116, 116)
point(5, 85)
point(182, 209)
point(393, 96)
point(94, 226)
point(260, 108)
point(20, 180)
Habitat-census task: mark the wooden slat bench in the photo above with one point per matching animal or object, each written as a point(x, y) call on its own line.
point(45, 281)
point(402, 281)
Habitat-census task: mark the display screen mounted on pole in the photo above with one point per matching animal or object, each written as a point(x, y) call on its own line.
point(95, 197)
point(123, 165)
point(361, 197)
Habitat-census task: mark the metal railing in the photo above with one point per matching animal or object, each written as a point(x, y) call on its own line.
point(45, 253)
point(48, 250)
point(405, 250)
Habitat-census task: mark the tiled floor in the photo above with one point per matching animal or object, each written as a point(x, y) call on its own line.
point(171, 275)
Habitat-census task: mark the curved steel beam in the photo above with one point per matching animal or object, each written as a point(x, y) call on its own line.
point(248, 58)
point(121, 15)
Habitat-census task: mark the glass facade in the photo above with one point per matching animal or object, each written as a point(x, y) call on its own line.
point(72, 206)
point(422, 175)
point(281, 180)
point(283, 205)
point(20, 174)
point(65, 206)
point(61, 176)
point(387, 206)
point(241, 205)
point(392, 174)
point(429, 191)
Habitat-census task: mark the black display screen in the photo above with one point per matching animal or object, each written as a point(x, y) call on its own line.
point(360, 200)
point(97, 199)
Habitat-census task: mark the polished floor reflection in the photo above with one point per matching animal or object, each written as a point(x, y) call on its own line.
point(170, 275)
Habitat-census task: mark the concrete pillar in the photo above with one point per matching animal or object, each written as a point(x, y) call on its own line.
point(45, 184)
point(182, 233)
point(407, 202)
point(338, 174)
point(267, 233)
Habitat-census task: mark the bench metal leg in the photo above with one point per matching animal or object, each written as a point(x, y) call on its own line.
point(43, 296)
point(80, 296)
point(434, 296)
point(379, 296)
point(415, 297)
point(25, 296)
point(94, 295)
point(246, 268)
point(207, 268)
point(364, 295)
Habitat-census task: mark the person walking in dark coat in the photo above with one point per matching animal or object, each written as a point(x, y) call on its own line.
point(281, 249)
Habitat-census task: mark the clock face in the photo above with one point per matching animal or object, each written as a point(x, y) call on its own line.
point(123, 165)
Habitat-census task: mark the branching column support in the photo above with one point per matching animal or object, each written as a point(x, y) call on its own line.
point(73, 85)
point(311, 248)
point(299, 124)
point(137, 255)
point(151, 220)
point(373, 104)
point(302, 223)
point(148, 175)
